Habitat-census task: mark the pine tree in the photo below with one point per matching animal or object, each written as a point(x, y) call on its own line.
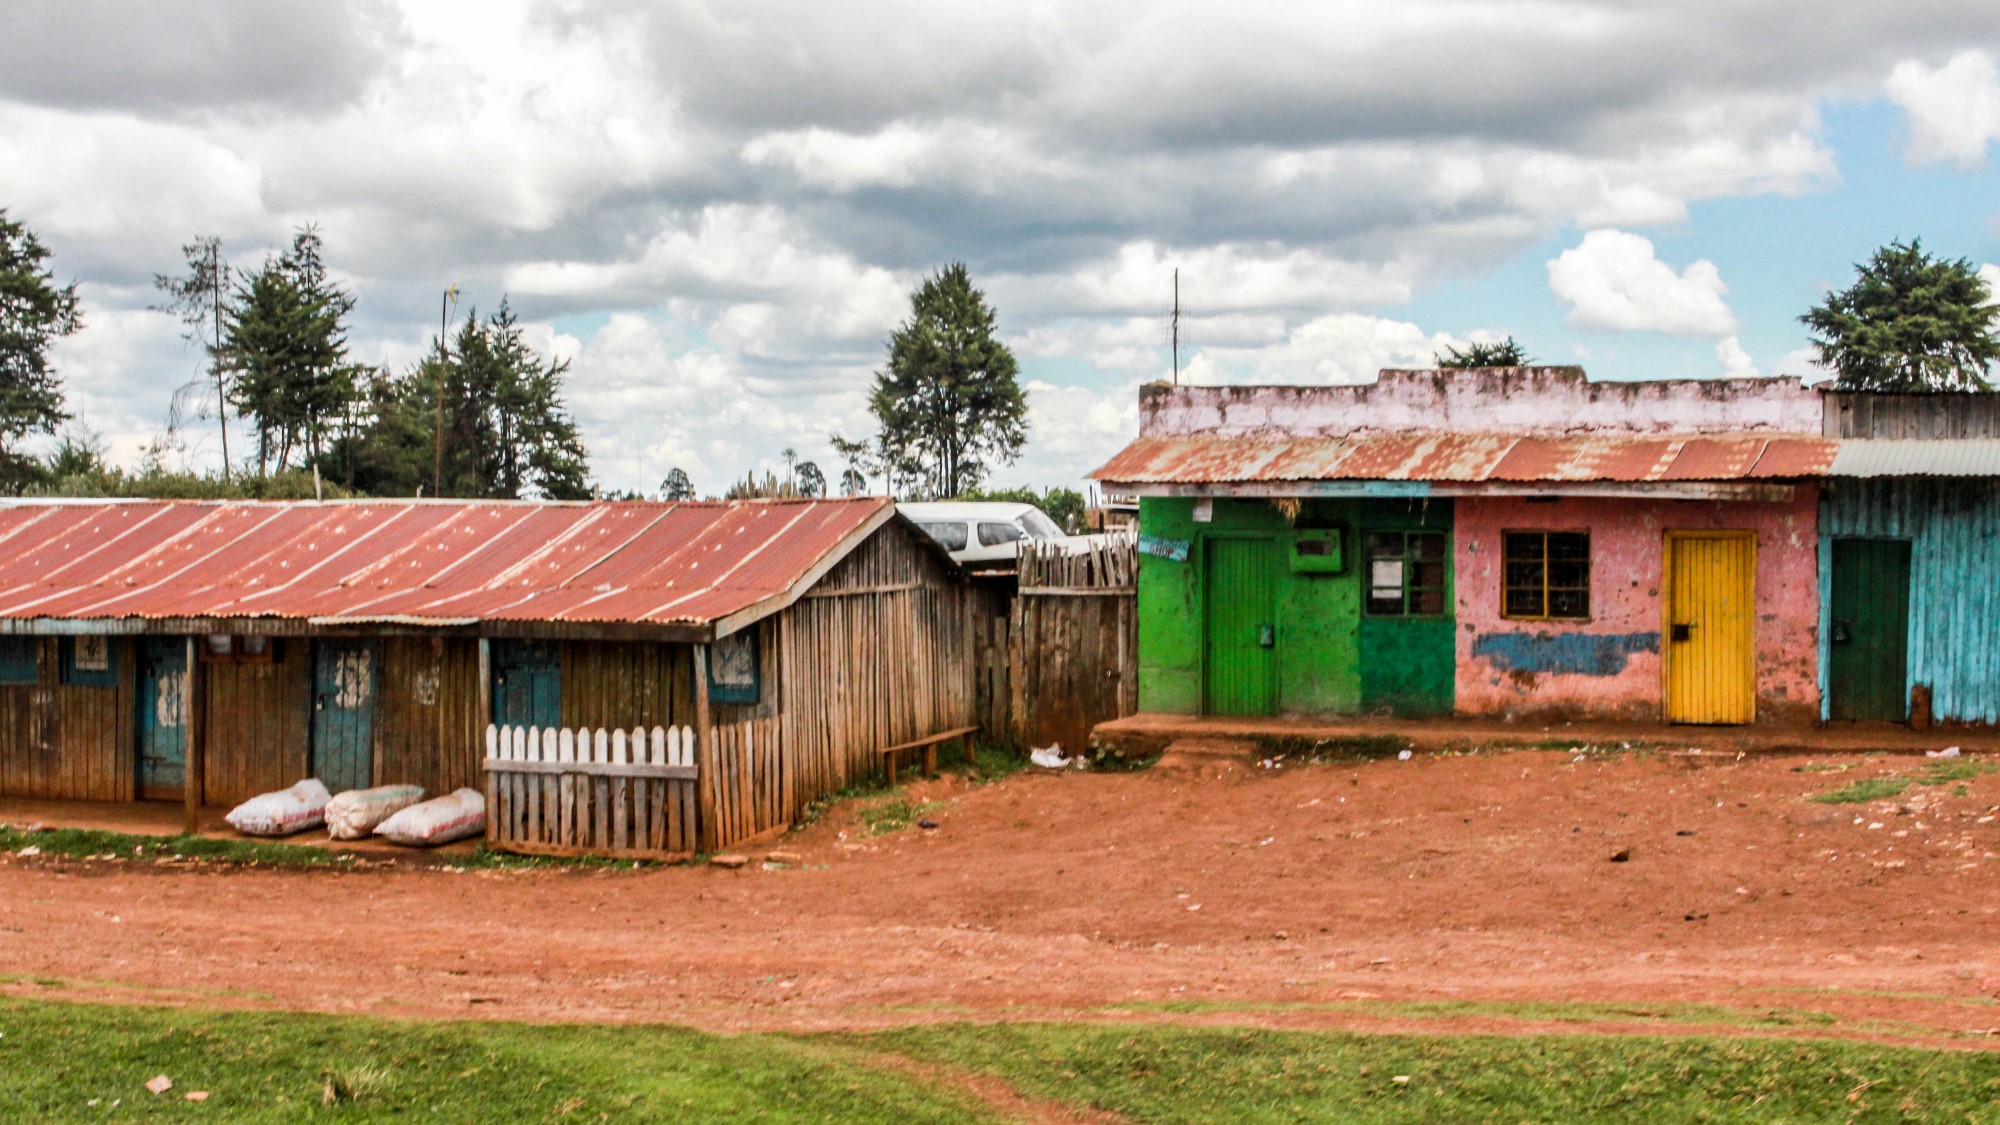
point(949, 403)
point(1910, 322)
point(34, 313)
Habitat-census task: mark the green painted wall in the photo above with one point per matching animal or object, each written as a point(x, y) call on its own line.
point(1322, 635)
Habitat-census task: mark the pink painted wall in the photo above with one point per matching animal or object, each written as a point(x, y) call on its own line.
point(1531, 669)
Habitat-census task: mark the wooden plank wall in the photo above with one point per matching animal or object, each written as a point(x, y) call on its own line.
point(428, 729)
point(257, 723)
point(65, 742)
point(619, 685)
point(1073, 643)
point(882, 650)
point(1863, 414)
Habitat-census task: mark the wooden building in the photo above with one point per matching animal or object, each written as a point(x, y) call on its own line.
point(206, 652)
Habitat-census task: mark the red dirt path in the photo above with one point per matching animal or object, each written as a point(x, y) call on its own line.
point(1317, 895)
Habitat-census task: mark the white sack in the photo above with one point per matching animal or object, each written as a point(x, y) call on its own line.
point(282, 813)
point(439, 820)
point(354, 814)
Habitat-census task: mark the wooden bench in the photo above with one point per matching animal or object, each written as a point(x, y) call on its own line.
point(929, 746)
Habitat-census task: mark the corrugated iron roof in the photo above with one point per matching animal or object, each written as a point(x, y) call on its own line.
point(1953, 457)
point(1470, 457)
point(421, 562)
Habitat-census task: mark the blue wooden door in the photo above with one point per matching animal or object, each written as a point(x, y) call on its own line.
point(162, 718)
point(527, 684)
point(343, 735)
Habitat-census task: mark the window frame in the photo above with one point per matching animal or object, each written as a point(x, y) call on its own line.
point(31, 657)
point(1409, 560)
point(1589, 575)
point(75, 675)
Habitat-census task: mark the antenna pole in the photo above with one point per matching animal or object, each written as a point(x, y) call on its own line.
point(1177, 326)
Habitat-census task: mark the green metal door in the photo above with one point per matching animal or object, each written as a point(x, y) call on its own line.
point(343, 734)
point(1868, 662)
point(527, 684)
point(1240, 661)
point(162, 718)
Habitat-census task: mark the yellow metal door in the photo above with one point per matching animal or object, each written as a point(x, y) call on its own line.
point(1711, 655)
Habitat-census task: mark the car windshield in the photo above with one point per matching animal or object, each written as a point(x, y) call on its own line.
point(1040, 526)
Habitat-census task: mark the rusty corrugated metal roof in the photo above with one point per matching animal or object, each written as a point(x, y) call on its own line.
point(1469, 458)
point(420, 562)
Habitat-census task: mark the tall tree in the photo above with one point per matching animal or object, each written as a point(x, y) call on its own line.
point(949, 402)
point(1506, 353)
point(507, 433)
point(811, 481)
point(677, 486)
point(284, 349)
point(35, 312)
point(852, 483)
point(1910, 322)
point(198, 298)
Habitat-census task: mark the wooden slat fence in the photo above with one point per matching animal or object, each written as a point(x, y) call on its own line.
point(601, 792)
point(1073, 641)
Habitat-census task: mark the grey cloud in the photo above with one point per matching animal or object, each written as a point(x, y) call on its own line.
point(167, 56)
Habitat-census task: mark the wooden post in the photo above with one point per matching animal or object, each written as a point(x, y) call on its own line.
point(192, 769)
point(485, 684)
point(708, 775)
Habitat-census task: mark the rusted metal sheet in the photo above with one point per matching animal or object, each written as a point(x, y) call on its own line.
point(419, 562)
point(1468, 458)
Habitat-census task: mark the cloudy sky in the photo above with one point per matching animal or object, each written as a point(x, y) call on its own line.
point(717, 210)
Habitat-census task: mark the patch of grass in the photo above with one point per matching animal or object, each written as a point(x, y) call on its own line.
point(1943, 772)
point(1866, 790)
point(91, 843)
point(69, 1062)
point(894, 815)
point(817, 808)
point(1824, 767)
point(1527, 1011)
point(1163, 1073)
point(994, 763)
point(489, 859)
point(1349, 747)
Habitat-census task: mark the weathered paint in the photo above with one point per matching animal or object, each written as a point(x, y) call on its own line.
point(1522, 668)
point(1710, 653)
point(1954, 533)
point(162, 717)
point(343, 730)
point(1323, 642)
point(1574, 654)
point(1868, 633)
point(1523, 400)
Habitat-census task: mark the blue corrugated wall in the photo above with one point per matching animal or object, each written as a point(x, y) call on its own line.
point(1954, 532)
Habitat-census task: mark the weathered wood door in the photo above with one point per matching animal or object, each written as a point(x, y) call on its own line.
point(1868, 648)
point(162, 699)
point(343, 731)
point(1240, 658)
point(1711, 626)
point(527, 684)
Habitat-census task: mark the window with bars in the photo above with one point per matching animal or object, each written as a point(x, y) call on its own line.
point(1406, 573)
point(1547, 575)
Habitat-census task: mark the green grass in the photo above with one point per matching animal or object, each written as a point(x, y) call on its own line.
point(55, 1058)
point(1937, 772)
point(265, 1067)
point(1234, 1075)
point(894, 814)
point(91, 843)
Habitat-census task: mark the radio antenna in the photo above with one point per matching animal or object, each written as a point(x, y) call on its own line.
point(1177, 326)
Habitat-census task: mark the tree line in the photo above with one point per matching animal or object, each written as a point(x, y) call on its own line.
point(482, 415)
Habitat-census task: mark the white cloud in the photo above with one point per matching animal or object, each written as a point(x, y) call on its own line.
point(1954, 109)
point(1990, 274)
point(1612, 281)
point(1736, 363)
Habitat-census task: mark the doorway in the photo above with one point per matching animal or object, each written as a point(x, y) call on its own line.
point(1240, 649)
point(343, 731)
point(162, 699)
point(1711, 659)
point(1867, 674)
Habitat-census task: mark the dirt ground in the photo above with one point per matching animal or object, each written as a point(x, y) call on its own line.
point(1205, 888)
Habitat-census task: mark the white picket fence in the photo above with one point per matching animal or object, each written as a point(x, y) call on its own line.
point(556, 791)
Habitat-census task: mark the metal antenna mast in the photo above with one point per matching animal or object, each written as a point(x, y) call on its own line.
point(1177, 326)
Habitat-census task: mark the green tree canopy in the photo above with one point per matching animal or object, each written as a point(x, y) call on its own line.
point(1910, 322)
point(284, 352)
point(35, 312)
point(949, 402)
point(677, 486)
point(1506, 353)
point(506, 431)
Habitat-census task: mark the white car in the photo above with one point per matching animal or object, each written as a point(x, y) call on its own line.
point(983, 533)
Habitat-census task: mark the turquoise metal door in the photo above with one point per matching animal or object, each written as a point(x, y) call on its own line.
point(527, 684)
point(162, 718)
point(343, 733)
point(1240, 661)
